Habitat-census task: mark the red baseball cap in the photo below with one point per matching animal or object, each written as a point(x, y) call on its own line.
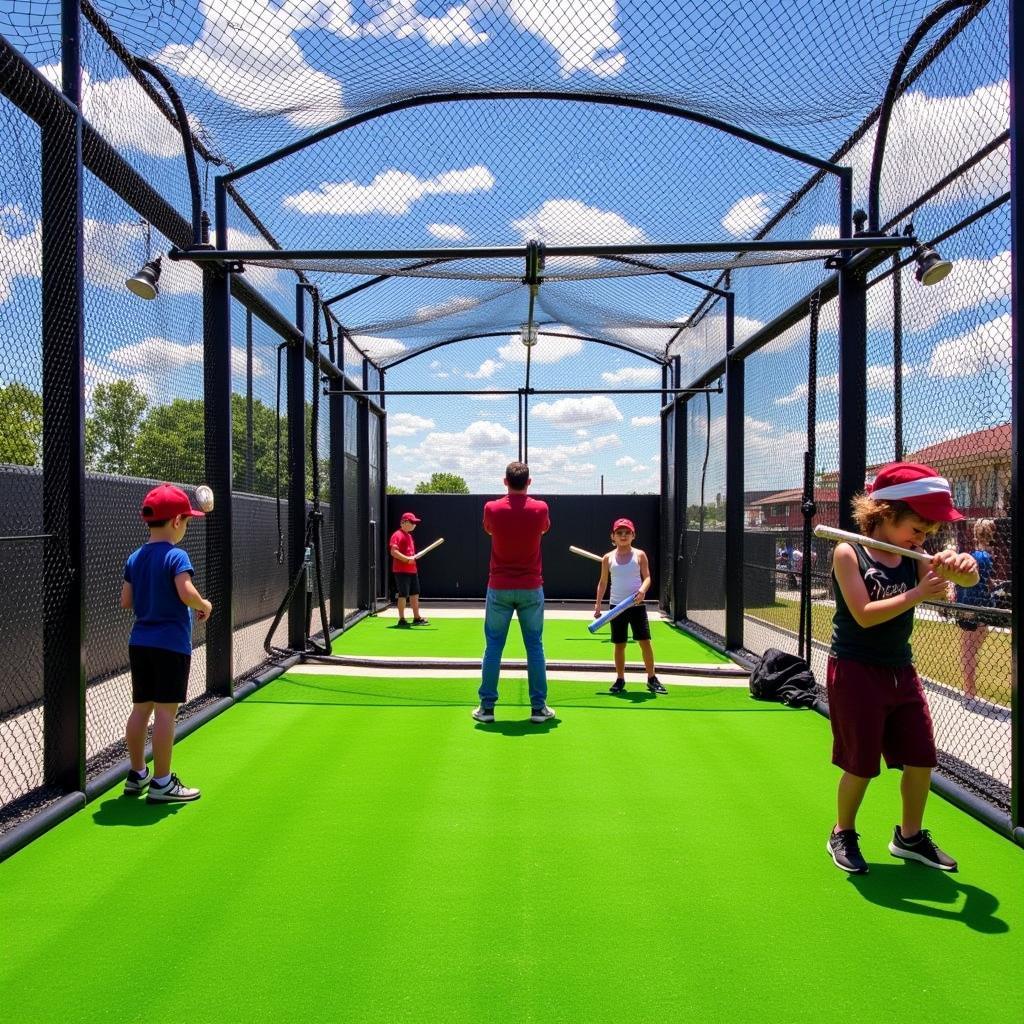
point(410, 517)
point(920, 486)
point(166, 502)
point(627, 523)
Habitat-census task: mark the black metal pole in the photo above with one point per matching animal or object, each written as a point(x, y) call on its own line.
point(296, 405)
point(897, 358)
point(681, 474)
point(63, 446)
point(366, 533)
point(250, 455)
point(336, 425)
point(734, 474)
point(1017, 452)
point(218, 457)
point(382, 478)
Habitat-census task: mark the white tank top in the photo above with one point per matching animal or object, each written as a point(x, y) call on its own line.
point(626, 578)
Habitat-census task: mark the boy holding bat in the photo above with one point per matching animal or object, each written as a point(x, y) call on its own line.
point(877, 705)
point(630, 573)
point(403, 566)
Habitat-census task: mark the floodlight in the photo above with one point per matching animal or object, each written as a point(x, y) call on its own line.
point(528, 334)
point(931, 267)
point(145, 283)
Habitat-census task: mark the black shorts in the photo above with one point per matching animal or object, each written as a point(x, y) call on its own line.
point(635, 617)
point(158, 674)
point(407, 583)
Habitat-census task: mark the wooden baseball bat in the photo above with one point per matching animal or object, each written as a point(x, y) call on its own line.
point(430, 547)
point(831, 533)
point(586, 554)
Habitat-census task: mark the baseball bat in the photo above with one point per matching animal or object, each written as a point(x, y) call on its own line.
point(430, 547)
point(586, 554)
point(612, 612)
point(831, 533)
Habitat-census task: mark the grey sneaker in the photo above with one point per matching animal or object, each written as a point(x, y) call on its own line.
point(921, 848)
point(539, 715)
point(136, 783)
point(844, 849)
point(482, 714)
point(171, 793)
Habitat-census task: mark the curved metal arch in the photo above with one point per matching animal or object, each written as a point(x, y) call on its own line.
point(505, 334)
point(603, 99)
point(889, 102)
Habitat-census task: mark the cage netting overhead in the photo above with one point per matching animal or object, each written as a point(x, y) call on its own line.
point(508, 121)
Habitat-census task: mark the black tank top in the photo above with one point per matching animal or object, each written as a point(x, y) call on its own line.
point(889, 642)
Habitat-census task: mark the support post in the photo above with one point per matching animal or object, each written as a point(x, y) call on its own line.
point(734, 474)
point(367, 593)
point(336, 427)
point(853, 319)
point(1016, 454)
point(296, 375)
point(218, 454)
point(681, 472)
point(63, 444)
point(250, 468)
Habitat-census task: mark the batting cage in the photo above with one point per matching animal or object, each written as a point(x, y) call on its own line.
point(705, 269)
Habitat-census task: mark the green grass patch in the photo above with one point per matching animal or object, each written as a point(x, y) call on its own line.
point(936, 646)
point(564, 640)
point(364, 852)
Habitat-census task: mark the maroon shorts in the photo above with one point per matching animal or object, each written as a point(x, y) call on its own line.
point(876, 712)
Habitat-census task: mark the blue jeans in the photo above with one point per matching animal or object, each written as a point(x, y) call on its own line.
point(529, 608)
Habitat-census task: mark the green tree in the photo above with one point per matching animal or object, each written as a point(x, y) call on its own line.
point(21, 425)
point(392, 489)
point(264, 444)
point(111, 431)
point(443, 483)
point(171, 443)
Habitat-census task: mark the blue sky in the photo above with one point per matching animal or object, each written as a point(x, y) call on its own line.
point(489, 173)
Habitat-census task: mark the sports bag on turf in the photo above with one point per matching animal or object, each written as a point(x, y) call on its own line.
point(783, 677)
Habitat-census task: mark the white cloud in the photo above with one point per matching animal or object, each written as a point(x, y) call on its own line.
point(405, 424)
point(581, 31)
point(456, 304)
point(984, 347)
point(391, 193)
point(571, 222)
point(377, 348)
point(448, 232)
point(627, 461)
point(644, 421)
point(246, 54)
point(747, 216)
point(635, 375)
point(487, 369)
point(577, 412)
point(486, 396)
point(547, 350)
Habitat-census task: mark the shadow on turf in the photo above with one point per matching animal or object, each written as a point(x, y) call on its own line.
point(132, 811)
point(915, 889)
point(518, 727)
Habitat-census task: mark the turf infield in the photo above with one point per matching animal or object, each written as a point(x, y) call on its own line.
point(365, 852)
point(564, 640)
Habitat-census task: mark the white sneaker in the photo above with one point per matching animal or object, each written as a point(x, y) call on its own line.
point(539, 715)
point(482, 714)
point(135, 784)
point(172, 792)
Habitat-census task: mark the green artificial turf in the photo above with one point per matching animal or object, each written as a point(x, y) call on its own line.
point(365, 852)
point(564, 640)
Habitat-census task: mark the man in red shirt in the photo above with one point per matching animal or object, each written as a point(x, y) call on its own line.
point(516, 524)
point(403, 565)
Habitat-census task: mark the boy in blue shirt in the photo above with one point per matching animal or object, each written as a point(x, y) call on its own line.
point(158, 586)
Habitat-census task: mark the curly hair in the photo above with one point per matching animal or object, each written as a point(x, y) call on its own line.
point(870, 512)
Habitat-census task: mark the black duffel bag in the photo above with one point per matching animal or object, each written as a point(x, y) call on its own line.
point(785, 678)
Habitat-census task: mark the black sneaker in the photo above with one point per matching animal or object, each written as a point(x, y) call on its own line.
point(844, 850)
point(922, 848)
point(654, 685)
point(421, 621)
point(136, 783)
point(482, 714)
point(618, 686)
point(404, 624)
point(540, 715)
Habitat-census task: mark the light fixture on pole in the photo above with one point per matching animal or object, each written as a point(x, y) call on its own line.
point(145, 284)
point(931, 267)
point(528, 334)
